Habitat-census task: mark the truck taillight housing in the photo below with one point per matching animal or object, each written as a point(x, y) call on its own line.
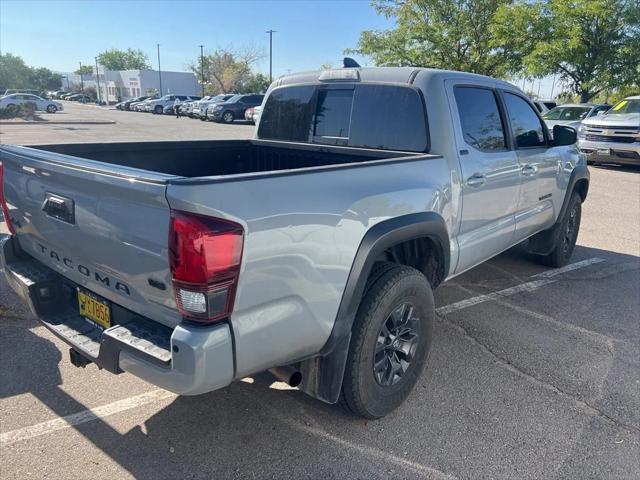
point(3, 203)
point(204, 255)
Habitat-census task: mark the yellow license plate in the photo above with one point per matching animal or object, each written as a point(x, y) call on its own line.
point(95, 310)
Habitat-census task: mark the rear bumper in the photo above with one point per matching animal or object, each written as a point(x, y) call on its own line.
point(187, 360)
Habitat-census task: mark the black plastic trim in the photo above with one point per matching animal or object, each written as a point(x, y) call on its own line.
point(323, 374)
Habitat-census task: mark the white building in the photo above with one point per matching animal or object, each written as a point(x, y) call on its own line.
point(124, 84)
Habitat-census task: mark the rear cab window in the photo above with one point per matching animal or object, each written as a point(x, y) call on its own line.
point(378, 116)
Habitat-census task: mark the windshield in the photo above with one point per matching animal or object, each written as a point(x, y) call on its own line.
point(234, 99)
point(567, 113)
point(625, 106)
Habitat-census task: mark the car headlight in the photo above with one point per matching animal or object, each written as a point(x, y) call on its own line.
point(581, 132)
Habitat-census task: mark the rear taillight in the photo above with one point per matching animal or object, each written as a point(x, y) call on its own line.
point(3, 203)
point(204, 255)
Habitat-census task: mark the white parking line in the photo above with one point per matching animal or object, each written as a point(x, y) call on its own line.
point(546, 278)
point(149, 397)
point(83, 417)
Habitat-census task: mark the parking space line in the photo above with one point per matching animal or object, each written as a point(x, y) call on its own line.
point(83, 417)
point(546, 278)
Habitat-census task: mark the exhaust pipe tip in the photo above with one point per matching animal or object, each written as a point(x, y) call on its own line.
point(288, 375)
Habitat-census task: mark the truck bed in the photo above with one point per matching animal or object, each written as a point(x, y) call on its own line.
point(218, 157)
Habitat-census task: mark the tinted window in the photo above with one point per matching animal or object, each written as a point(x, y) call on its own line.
point(567, 113)
point(524, 122)
point(480, 118)
point(368, 116)
point(333, 114)
point(388, 117)
point(288, 113)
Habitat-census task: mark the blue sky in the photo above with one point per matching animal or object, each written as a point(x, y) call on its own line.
point(59, 34)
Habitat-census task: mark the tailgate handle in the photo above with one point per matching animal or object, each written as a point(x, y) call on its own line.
point(59, 207)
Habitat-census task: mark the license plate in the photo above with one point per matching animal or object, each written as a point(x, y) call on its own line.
point(604, 151)
point(94, 309)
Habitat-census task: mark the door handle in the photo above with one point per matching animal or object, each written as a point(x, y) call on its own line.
point(476, 180)
point(529, 170)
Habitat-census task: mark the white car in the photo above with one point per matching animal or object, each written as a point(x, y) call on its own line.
point(157, 105)
point(14, 100)
point(572, 114)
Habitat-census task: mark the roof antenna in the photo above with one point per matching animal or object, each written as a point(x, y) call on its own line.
point(348, 62)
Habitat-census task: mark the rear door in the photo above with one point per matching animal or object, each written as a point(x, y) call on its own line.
point(539, 166)
point(490, 173)
point(102, 226)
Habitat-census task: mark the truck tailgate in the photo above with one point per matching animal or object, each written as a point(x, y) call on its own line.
point(102, 226)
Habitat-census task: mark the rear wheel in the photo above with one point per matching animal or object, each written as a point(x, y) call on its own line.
point(52, 109)
point(227, 117)
point(158, 110)
point(390, 341)
point(567, 235)
point(11, 108)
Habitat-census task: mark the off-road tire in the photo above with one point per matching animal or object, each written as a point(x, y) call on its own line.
point(390, 287)
point(567, 234)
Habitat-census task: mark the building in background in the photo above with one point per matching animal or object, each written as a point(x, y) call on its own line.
point(116, 86)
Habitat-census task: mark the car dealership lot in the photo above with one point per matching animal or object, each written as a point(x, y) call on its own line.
point(533, 374)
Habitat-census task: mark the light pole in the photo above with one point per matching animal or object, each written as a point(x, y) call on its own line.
point(271, 32)
point(98, 80)
point(81, 82)
point(159, 69)
point(202, 68)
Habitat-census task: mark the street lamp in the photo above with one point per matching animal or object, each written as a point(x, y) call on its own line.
point(202, 68)
point(270, 32)
point(81, 82)
point(159, 69)
point(98, 81)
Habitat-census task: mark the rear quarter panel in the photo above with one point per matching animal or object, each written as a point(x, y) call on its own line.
point(302, 232)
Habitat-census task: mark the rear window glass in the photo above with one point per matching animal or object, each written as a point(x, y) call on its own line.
point(365, 115)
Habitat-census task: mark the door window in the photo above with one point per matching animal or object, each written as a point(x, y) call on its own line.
point(480, 118)
point(527, 126)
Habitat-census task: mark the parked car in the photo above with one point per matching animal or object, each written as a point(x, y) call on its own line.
point(572, 115)
point(310, 251)
point(65, 96)
point(127, 104)
point(256, 114)
point(233, 108)
point(14, 101)
point(79, 97)
point(248, 114)
point(614, 136)
point(200, 108)
point(157, 105)
point(142, 105)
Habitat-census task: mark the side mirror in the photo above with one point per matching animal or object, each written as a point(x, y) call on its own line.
point(563, 135)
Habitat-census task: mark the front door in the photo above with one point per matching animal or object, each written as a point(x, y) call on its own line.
point(490, 174)
point(539, 166)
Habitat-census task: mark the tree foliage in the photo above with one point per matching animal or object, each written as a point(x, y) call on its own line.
point(449, 34)
point(14, 73)
point(227, 70)
point(130, 59)
point(84, 70)
point(593, 45)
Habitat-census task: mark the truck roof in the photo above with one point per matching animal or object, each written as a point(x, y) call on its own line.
point(392, 75)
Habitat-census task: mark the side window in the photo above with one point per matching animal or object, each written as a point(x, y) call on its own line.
point(525, 123)
point(480, 118)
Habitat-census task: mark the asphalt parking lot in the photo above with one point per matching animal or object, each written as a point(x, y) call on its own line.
point(534, 373)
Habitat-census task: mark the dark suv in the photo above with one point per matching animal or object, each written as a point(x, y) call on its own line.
point(233, 108)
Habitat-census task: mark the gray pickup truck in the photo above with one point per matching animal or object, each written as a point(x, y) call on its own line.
point(310, 251)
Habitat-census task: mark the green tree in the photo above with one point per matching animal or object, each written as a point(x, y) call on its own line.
point(449, 34)
point(84, 70)
point(13, 72)
point(593, 45)
point(255, 83)
point(226, 70)
point(130, 59)
point(44, 79)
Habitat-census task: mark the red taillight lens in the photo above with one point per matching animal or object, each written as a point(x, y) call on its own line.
point(204, 255)
point(3, 203)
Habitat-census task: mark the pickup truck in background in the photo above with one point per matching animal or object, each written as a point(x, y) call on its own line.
point(613, 137)
point(310, 251)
